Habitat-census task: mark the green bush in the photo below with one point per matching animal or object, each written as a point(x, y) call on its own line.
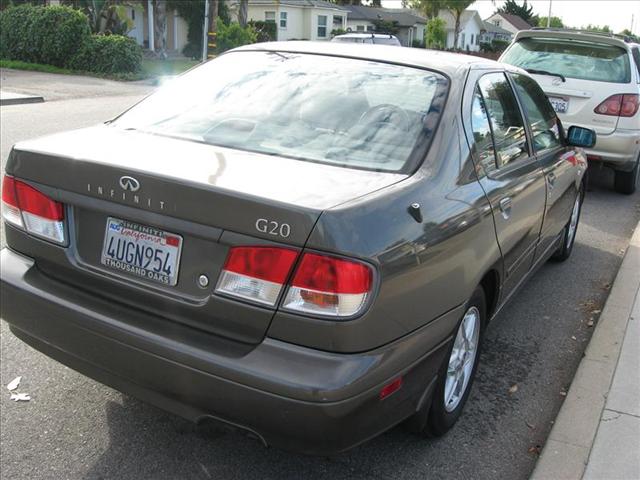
point(108, 55)
point(267, 31)
point(233, 35)
point(49, 35)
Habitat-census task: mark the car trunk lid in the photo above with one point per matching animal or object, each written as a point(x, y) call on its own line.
point(212, 198)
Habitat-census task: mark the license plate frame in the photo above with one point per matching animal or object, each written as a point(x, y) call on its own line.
point(146, 237)
point(560, 105)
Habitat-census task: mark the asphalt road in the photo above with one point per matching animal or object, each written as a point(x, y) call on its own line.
point(76, 428)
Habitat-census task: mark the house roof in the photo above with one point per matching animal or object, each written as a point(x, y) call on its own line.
point(300, 3)
point(491, 27)
point(514, 20)
point(404, 17)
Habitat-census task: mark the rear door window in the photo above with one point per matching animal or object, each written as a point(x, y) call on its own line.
point(636, 58)
point(545, 127)
point(505, 118)
point(483, 149)
point(572, 58)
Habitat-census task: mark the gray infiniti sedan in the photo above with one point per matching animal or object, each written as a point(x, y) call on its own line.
point(304, 241)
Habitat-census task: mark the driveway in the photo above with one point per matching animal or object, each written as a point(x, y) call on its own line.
point(76, 428)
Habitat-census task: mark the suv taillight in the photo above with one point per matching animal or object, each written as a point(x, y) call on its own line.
point(29, 209)
point(620, 105)
point(321, 285)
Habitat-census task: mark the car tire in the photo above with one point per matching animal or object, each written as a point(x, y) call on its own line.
point(627, 182)
point(570, 230)
point(447, 402)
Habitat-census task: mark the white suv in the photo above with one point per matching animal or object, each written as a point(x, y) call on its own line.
point(593, 81)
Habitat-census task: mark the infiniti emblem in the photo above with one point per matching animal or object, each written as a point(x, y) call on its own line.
point(129, 183)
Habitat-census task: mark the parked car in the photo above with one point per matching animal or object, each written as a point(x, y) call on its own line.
point(368, 38)
point(592, 80)
point(304, 241)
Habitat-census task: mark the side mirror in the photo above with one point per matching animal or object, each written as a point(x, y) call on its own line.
point(581, 137)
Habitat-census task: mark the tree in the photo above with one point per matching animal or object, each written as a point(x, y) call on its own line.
point(243, 7)
point(105, 15)
point(429, 8)
point(524, 11)
point(160, 28)
point(386, 26)
point(456, 7)
point(436, 33)
point(556, 22)
point(628, 33)
point(597, 28)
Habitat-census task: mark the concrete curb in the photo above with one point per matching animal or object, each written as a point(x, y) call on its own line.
point(11, 98)
point(566, 453)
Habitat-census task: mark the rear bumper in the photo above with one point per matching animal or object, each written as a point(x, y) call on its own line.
point(619, 149)
point(289, 396)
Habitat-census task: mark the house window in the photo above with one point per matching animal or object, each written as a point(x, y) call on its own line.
point(359, 28)
point(322, 26)
point(462, 39)
point(270, 17)
point(369, 28)
point(337, 21)
point(283, 19)
point(472, 39)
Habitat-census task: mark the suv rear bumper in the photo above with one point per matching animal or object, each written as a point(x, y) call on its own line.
point(289, 396)
point(618, 150)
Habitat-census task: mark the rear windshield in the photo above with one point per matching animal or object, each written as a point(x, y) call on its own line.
point(352, 113)
point(573, 59)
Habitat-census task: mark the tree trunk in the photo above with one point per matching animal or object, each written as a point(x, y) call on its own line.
point(213, 16)
point(456, 30)
point(160, 30)
point(242, 12)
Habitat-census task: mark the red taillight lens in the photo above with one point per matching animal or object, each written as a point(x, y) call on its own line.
point(332, 275)
point(257, 274)
point(619, 105)
point(390, 388)
point(630, 104)
point(26, 207)
point(329, 285)
point(32, 201)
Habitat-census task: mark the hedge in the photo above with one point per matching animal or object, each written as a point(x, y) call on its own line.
point(48, 35)
point(61, 36)
point(108, 54)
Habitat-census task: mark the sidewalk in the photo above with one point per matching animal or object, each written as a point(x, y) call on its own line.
point(596, 435)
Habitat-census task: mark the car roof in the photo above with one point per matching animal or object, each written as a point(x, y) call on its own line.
point(445, 62)
point(365, 35)
point(584, 35)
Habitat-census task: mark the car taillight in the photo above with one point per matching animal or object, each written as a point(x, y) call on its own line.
point(257, 274)
point(28, 208)
point(329, 285)
point(620, 105)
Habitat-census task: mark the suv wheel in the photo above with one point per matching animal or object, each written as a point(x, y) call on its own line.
point(626, 182)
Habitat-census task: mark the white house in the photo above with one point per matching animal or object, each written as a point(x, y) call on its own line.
point(410, 25)
point(297, 19)
point(494, 32)
point(511, 23)
point(471, 28)
point(141, 15)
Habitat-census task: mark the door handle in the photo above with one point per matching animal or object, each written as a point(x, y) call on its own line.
point(505, 207)
point(551, 178)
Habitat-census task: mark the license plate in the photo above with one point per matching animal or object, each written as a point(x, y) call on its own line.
point(560, 105)
point(142, 251)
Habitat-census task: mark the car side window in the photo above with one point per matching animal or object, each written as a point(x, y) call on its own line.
point(509, 134)
point(483, 149)
point(544, 123)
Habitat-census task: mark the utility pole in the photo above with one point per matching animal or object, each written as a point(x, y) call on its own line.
point(205, 26)
point(549, 16)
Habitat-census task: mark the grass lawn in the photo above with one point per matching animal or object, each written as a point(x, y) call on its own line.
point(157, 68)
point(151, 68)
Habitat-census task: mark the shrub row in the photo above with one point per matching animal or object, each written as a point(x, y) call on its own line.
point(60, 36)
